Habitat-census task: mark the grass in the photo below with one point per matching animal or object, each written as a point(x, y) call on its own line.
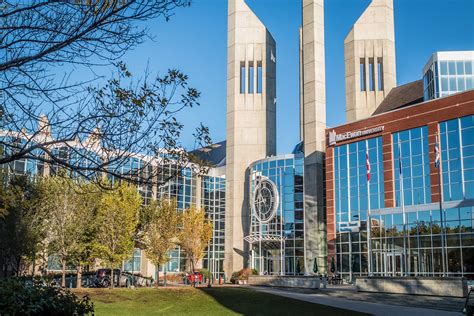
point(201, 301)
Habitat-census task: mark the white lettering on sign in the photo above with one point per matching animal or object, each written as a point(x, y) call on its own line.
point(334, 138)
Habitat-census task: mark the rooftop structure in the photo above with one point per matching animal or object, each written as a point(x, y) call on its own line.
point(446, 73)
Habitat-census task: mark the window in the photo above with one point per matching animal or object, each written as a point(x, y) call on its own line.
point(251, 77)
point(460, 67)
point(133, 264)
point(457, 158)
point(371, 75)
point(380, 73)
point(259, 77)
point(452, 67)
point(444, 67)
point(468, 65)
point(362, 74)
point(352, 193)
point(415, 167)
point(242, 77)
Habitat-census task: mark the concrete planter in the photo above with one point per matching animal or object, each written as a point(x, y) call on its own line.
point(455, 287)
point(307, 282)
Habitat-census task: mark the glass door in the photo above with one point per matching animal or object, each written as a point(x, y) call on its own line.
point(394, 264)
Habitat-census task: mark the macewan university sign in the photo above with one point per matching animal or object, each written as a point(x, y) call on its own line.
point(334, 138)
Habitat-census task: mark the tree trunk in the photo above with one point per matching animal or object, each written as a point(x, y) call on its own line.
point(157, 276)
point(112, 278)
point(33, 264)
point(193, 275)
point(18, 261)
point(63, 271)
point(79, 276)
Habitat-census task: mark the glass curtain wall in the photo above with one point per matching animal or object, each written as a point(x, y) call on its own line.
point(213, 202)
point(352, 202)
point(23, 166)
point(445, 77)
point(283, 254)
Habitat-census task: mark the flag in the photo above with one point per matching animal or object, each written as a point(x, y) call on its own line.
point(437, 155)
point(399, 156)
point(367, 163)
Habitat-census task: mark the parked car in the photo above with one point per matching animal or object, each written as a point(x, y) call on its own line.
point(102, 278)
point(469, 305)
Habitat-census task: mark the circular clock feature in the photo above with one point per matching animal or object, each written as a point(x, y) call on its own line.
point(265, 200)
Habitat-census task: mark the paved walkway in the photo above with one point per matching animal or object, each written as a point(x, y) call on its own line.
point(372, 303)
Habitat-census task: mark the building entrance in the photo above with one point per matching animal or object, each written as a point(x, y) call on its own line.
point(393, 264)
point(267, 261)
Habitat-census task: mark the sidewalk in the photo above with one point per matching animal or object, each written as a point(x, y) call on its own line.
point(348, 298)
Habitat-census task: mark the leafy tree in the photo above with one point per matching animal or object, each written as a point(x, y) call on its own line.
point(195, 235)
point(117, 219)
point(52, 114)
point(160, 231)
point(83, 255)
point(70, 213)
point(21, 227)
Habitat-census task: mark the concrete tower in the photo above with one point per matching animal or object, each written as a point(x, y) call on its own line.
point(369, 55)
point(251, 119)
point(313, 124)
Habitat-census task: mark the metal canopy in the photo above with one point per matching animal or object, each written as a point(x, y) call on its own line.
point(255, 238)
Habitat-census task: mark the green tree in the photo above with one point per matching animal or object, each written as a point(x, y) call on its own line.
point(160, 232)
point(83, 255)
point(22, 225)
point(69, 214)
point(117, 217)
point(195, 235)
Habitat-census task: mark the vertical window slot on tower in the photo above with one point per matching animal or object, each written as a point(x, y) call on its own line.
point(362, 74)
point(259, 77)
point(242, 77)
point(251, 77)
point(380, 73)
point(371, 75)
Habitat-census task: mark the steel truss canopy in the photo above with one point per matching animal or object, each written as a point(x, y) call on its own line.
point(255, 238)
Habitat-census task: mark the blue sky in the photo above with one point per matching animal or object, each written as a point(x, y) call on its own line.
point(195, 41)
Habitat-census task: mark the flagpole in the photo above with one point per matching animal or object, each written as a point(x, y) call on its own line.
point(402, 197)
point(369, 222)
point(438, 166)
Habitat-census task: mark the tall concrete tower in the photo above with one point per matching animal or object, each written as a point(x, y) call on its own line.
point(369, 55)
point(251, 119)
point(312, 126)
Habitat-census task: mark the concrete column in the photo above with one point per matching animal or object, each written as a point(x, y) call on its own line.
point(314, 121)
point(251, 121)
point(372, 38)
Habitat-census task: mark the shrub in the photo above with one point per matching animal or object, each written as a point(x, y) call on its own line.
point(205, 273)
point(242, 274)
point(20, 297)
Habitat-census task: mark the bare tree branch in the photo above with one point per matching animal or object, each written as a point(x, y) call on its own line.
point(125, 129)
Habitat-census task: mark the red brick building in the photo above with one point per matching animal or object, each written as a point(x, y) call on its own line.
point(402, 247)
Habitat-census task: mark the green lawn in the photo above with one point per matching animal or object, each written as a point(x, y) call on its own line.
point(201, 301)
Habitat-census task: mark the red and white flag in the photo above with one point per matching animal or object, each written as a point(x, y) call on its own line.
point(367, 163)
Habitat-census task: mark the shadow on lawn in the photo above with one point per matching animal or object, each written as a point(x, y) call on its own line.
point(247, 301)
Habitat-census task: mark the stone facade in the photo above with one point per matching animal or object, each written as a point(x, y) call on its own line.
point(251, 119)
point(369, 55)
